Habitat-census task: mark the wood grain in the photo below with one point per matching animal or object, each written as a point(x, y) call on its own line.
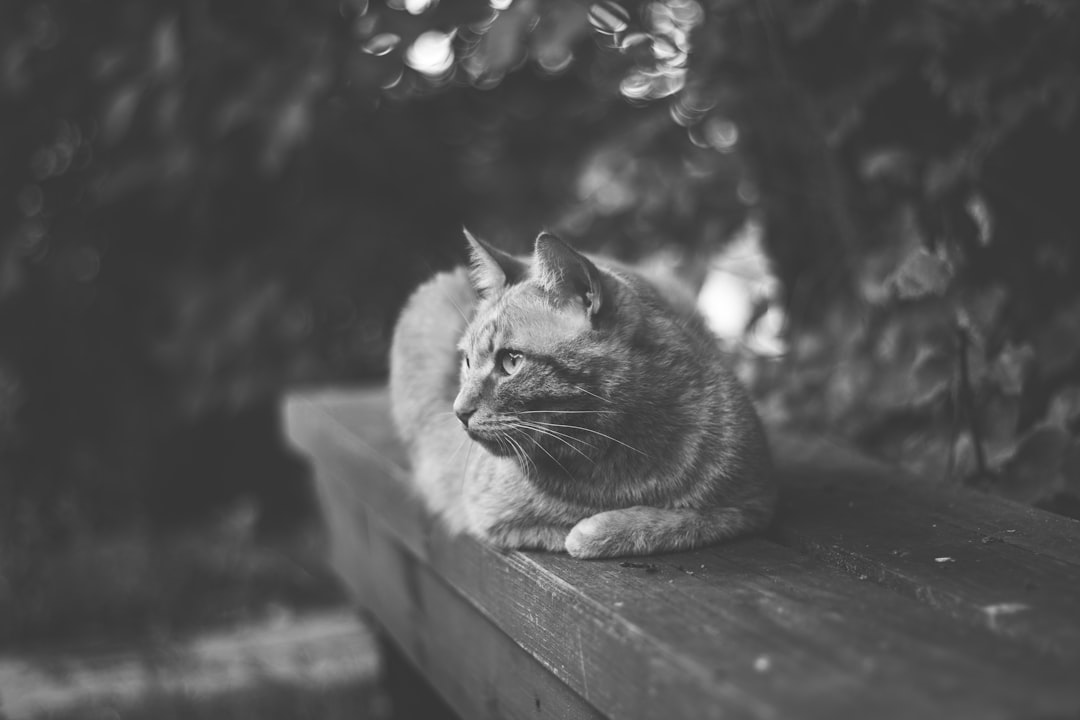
point(804, 623)
point(477, 669)
point(987, 561)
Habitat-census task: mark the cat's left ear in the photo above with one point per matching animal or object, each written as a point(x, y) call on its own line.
point(491, 269)
point(567, 273)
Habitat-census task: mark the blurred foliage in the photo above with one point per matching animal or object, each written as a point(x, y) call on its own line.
point(146, 586)
point(202, 204)
point(266, 699)
point(930, 267)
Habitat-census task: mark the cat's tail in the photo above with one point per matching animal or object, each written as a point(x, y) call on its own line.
point(424, 362)
point(644, 530)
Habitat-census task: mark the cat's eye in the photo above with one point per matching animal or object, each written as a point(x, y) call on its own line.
point(465, 359)
point(509, 361)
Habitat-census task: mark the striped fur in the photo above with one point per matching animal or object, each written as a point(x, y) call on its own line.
point(617, 431)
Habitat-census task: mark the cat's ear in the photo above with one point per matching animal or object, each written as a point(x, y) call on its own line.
point(491, 269)
point(570, 275)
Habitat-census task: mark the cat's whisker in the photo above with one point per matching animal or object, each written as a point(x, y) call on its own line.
point(461, 444)
point(518, 454)
point(589, 392)
point(553, 459)
point(465, 467)
point(596, 432)
point(524, 455)
point(564, 442)
point(533, 425)
point(526, 461)
point(563, 438)
point(446, 416)
point(513, 446)
point(567, 412)
point(503, 441)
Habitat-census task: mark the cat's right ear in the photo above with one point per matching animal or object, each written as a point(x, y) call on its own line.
point(491, 269)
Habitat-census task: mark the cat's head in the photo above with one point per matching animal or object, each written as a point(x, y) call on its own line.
point(536, 351)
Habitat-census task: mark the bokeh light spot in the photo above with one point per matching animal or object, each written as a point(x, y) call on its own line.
point(85, 263)
point(634, 40)
point(555, 60)
point(739, 280)
point(431, 54)
point(609, 17)
point(419, 7)
point(381, 44)
point(352, 8)
point(31, 200)
point(635, 86)
point(721, 134)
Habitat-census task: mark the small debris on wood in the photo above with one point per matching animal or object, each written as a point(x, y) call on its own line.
point(944, 560)
point(762, 663)
point(987, 539)
point(647, 567)
point(1007, 608)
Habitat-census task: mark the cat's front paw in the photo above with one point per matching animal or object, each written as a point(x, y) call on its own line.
point(616, 533)
point(588, 539)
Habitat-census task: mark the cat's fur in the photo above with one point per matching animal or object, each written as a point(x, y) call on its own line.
point(619, 431)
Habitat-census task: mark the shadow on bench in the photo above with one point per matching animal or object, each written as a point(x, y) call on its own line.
point(875, 596)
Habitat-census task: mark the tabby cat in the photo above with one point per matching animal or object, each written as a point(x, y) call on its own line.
point(562, 402)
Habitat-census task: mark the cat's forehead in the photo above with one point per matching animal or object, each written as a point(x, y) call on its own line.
point(522, 319)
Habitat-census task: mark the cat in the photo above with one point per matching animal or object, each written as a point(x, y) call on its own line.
point(562, 402)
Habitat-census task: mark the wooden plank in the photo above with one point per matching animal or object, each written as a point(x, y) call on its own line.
point(991, 562)
point(820, 466)
point(763, 633)
point(478, 670)
point(475, 667)
point(1009, 568)
point(994, 563)
point(410, 693)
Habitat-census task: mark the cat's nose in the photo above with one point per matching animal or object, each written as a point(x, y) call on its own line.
point(463, 414)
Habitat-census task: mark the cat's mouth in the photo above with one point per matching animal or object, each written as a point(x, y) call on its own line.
point(490, 439)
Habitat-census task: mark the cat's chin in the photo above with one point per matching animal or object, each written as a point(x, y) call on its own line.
point(492, 445)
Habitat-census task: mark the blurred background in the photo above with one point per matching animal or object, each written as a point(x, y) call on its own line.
point(204, 205)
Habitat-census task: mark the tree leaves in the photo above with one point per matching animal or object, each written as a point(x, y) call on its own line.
point(922, 274)
point(1034, 471)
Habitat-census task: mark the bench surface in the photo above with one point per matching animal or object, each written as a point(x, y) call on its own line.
point(876, 595)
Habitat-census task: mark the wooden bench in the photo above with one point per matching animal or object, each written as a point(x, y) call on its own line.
point(876, 595)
